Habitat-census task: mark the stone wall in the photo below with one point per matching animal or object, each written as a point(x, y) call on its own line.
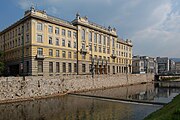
point(14, 88)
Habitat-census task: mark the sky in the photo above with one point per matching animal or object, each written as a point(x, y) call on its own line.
point(152, 25)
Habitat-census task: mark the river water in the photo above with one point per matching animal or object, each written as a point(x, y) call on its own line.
point(81, 108)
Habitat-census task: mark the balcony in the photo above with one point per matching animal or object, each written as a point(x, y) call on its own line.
point(113, 55)
point(40, 57)
point(83, 51)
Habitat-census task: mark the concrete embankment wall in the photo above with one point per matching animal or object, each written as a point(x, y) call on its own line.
point(15, 88)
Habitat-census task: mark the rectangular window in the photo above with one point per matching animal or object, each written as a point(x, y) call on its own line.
point(50, 52)
point(108, 41)
point(27, 38)
point(99, 38)
point(75, 44)
point(74, 35)
point(104, 50)
point(50, 40)
point(90, 47)
point(69, 43)
point(39, 26)
point(75, 55)
point(64, 54)
point(95, 38)
point(75, 67)
point(95, 48)
point(69, 33)
point(57, 67)
point(83, 68)
point(39, 38)
point(57, 41)
point(108, 51)
point(69, 68)
point(83, 56)
point(63, 42)
point(64, 67)
point(50, 67)
point(90, 36)
point(83, 34)
point(40, 51)
point(57, 53)
point(50, 29)
point(69, 54)
point(57, 31)
point(40, 66)
point(104, 41)
point(100, 49)
point(113, 43)
point(63, 32)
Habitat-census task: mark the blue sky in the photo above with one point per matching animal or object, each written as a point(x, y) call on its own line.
point(152, 25)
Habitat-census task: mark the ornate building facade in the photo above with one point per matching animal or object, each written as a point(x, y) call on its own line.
point(40, 44)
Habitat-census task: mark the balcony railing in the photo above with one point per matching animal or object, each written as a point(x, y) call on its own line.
point(40, 56)
point(113, 55)
point(83, 51)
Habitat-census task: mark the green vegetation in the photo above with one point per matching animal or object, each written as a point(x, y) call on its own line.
point(171, 111)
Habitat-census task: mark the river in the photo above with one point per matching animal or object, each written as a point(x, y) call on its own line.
point(72, 107)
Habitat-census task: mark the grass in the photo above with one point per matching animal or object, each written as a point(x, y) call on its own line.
point(171, 111)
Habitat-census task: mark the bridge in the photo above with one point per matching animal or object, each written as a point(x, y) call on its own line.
point(162, 76)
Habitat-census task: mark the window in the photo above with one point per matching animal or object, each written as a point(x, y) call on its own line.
point(113, 42)
point(75, 67)
point(95, 48)
point(90, 36)
point(108, 51)
point(50, 67)
point(57, 67)
point(90, 47)
point(57, 53)
point(90, 57)
point(40, 66)
point(108, 41)
point(64, 67)
point(69, 68)
point(104, 50)
point(50, 29)
point(83, 46)
point(27, 51)
point(99, 38)
point(83, 34)
point(64, 54)
point(63, 42)
point(74, 35)
point(108, 59)
point(50, 40)
point(116, 45)
point(69, 54)
point(95, 38)
point(100, 49)
point(27, 26)
point(69, 43)
point(40, 51)
point(57, 31)
point(75, 44)
point(57, 41)
point(27, 38)
point(63, 32)
point(50, 52)
point(104, 41)
point(83, 67)
point(39, 38)
point(39, 26)
point(83, 56)
point(69, 33)
point(75, 55)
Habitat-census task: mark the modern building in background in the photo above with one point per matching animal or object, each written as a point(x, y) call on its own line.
point(165, 65)
point(177, 67)
point(40, 44)
point(143, 64)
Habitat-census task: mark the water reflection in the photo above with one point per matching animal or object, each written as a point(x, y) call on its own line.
point(158, 92)
point(73, 108)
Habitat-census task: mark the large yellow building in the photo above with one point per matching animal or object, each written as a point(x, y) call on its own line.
point(40, 44)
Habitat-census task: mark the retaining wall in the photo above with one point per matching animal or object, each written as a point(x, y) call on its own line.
point(15, 88)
